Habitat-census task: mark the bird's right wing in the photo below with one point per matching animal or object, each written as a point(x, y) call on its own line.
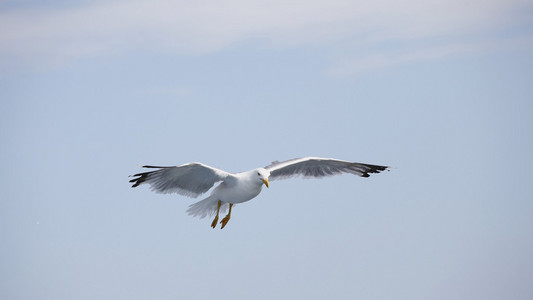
point(317, 167)
point(191, 180)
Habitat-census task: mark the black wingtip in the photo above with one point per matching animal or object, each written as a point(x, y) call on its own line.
point(137, 181)
point(155, 167)
point(141, 177)
point(374, 169)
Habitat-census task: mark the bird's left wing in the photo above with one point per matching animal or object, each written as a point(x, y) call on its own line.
point(192, 179)
point(319, 167)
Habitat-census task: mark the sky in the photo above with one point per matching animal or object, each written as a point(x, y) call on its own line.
point(439, 90)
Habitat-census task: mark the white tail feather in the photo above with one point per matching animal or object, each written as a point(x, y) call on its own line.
point(206, 207)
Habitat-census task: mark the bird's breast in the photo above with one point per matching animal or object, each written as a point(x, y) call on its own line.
point(238, 192)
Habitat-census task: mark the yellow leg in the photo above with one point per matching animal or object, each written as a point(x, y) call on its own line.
point(226, 218)
point(214, 224)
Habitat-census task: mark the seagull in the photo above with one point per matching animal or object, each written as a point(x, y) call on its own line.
point(193, 179)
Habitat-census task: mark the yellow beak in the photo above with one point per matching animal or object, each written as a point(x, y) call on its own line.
point(265, 181)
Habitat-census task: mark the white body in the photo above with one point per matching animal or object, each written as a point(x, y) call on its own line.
point(235, 188)
point(239, 188)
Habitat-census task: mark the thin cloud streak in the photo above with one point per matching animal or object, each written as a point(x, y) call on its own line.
point(365, 62)
point(184, 27)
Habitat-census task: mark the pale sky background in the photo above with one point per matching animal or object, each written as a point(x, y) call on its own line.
point(441, 90)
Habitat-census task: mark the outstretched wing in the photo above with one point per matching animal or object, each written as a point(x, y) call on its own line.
point(319, 167)
point(192, 179)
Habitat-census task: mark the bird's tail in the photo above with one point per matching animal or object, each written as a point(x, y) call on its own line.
point(206, 207)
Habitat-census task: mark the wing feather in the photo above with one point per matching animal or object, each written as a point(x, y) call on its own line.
point(309, 167)
point(191, 180)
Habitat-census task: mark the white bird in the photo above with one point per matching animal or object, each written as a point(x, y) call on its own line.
point(193, 179)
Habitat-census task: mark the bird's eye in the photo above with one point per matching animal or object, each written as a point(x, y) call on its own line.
point(259, 174)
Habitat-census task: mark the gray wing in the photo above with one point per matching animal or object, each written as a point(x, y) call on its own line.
point(308, 167)
point(192, 179)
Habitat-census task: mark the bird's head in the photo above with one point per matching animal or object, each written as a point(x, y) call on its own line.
point(262, 175)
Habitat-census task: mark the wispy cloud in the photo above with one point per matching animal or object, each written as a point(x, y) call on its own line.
point(191, 27)
point(359, 63)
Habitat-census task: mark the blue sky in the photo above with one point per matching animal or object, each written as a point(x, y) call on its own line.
point(439, 90)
